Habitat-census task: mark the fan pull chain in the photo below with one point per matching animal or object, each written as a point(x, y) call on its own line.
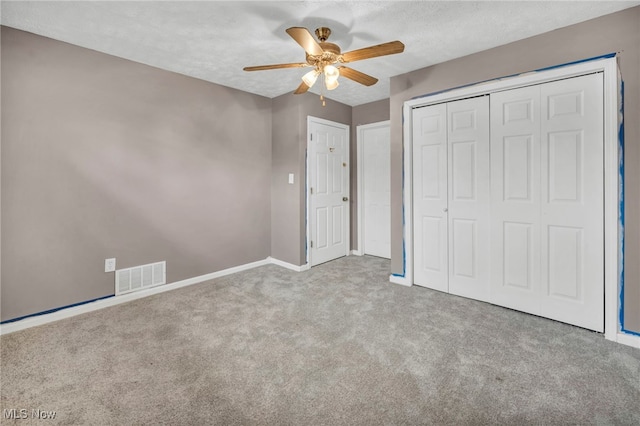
point(322, 91)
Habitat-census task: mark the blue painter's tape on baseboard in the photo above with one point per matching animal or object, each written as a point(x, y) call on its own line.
point(629, 332)
point(55, 309)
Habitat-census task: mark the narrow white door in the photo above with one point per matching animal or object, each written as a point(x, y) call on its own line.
point(374, 145)
point(572, 205)
point(515, 193)
point(429, 154)
point(469, 197)
point(547, 207)
point(328, 190)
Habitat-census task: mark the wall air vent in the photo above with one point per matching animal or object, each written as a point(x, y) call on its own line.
point(140, 277)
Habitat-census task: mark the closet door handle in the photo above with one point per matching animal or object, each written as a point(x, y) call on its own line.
point(445, 210)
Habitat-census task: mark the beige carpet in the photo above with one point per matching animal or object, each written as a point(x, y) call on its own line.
point(336, 345)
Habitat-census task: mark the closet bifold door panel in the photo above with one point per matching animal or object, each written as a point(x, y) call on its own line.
point(547, 210)
point(430, 249)
point(468, 197)
point(572, 201)
point(515, 199)
point(451, 197)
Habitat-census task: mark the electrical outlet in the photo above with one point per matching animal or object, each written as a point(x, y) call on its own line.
point(110, 265)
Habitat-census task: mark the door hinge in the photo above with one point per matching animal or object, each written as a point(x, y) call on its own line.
point(311, 189)
point(311, 244)
point(311, 136)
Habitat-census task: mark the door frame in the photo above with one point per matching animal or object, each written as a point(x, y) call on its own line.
point(360, 178)
point(309, 163)
point(612, 167)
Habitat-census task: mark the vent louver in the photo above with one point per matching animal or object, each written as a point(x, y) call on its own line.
point(140, 277)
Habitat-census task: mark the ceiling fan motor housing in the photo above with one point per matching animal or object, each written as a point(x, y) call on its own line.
point(331, 55)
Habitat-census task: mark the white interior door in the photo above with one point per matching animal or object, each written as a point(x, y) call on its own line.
point(469, 197)
point(547, 208)
point(328, 190)
point(374, 145)
point(430, 250)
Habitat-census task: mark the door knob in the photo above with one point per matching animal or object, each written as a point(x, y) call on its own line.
point(445, 210)
point(345, 198)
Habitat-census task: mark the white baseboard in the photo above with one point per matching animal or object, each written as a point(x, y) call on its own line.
point(396, 279)
point(628, 339)
point(357, 253)
point(116, 300)
point(288, 265)
point(622, 338)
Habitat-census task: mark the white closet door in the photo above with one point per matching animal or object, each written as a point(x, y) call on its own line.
point(547, 200)
point(572, 201)
point(469, 197)
point(430, 197)
point(515, 199)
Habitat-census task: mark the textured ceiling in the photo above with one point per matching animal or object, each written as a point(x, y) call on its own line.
point(214, 40)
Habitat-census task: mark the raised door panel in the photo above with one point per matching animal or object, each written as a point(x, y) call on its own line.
point(469, 197)
point(430, 197)
point(434, 245)
point(322, 228)
point(518, 262)
point(463, 162)
point(464, 249)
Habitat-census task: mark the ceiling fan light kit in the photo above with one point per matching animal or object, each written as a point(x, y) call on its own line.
point(311, 77)
point(327, 59)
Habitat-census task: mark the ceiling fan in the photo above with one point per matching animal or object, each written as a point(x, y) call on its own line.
point(327, 59)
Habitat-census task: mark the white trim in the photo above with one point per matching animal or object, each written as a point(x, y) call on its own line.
point(611, 199)
point(611, 188)
point(396, 279)
point(622, 338)
point(628, 339)
point(347, 231)
point(407, 193)
point(288, 265)
point(360, 175)
point(116, 300)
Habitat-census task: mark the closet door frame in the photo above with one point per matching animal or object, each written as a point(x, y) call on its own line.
point(612, 160)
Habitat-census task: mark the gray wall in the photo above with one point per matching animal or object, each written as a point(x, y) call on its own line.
point(288, 202)
point(103, 157)
point(372, 112)
point(619, 32)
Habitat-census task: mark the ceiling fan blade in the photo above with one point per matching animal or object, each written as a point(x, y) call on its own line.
point(357, 76)
point(276, 66)
point(383, 49)
point(301, 89)
point(304, 38)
